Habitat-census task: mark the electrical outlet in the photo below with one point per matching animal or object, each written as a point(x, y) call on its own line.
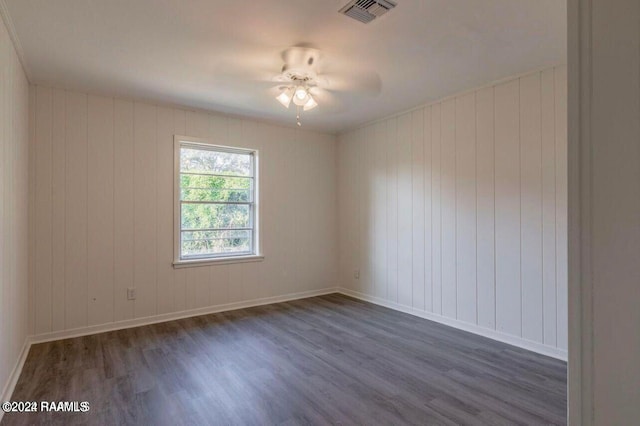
point(356, 274)
point(131, 293)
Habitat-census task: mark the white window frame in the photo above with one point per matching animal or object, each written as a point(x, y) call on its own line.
point(178, 142)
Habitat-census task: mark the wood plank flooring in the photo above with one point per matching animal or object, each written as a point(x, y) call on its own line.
point(323, 360)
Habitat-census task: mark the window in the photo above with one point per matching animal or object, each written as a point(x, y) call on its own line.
point(216, 209)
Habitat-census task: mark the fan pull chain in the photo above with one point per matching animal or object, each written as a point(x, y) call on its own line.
point(298, 116)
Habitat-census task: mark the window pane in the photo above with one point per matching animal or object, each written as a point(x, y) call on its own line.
point(216, 202)
point(195, 160)
point(203, 216)
point(215, 188)
point(199, 243)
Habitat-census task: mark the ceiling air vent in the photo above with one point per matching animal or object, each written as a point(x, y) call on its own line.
point(367, 10)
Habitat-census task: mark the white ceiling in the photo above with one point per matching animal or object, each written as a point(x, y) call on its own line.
point(205, 53)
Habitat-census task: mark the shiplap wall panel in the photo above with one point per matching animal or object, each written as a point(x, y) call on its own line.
point(219, 285)
point(548, 160)
point(287, 225)
point(144, 208)
point(297, 155)
point(43, 223)
point(251, 281)
point(76, 276)
point(300, 188)
point(58, 197)
point(405, 231)
point(20, 301)
point(485, 212)
point(346, 205)
point(362, 220)
point(100, 192)
point(111, 177)
point(436, 207)
point(466, 206)
point(281, 241)
point(373, 219)
point(508, 214)
point(354, 214)
point(218, 130)
point(428, 232)
point(198, 287)
point(324, 250)
point(448, 207)
point(380, 211)
point(164, 220)
point(392, 207)
point(235, 277)
point(531, 204)
point(560, 76)
point(343, 211)
point(367, 225)
point(17, 162)
point(274, 196)
point(32, 202)
point(9, 108)
point(268, 202)
point(417, 205)
point(493, 213)
point(123, 205)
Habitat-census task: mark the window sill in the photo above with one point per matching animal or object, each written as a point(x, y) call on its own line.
point(219, 261)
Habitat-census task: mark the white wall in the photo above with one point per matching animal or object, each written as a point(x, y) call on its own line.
point(14, 154)
point(103, 212)
point(604, 165)
point(458, 210)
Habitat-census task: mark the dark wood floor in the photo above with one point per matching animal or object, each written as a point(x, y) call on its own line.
point(323, 360)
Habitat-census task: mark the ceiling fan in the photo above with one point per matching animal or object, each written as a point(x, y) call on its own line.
point(304, 83)
point(297, 79)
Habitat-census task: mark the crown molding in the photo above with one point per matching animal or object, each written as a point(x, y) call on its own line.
point(13, 35)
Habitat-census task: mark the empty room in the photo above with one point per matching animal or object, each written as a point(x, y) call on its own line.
point(287, 212)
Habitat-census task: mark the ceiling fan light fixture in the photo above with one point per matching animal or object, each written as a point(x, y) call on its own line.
point(301, 96)
point(311, 104)
point(285, 97)
point(301, 92)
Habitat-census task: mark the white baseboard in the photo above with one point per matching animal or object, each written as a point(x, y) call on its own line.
point(472, 328)
point(12, 380)
point(137, 322)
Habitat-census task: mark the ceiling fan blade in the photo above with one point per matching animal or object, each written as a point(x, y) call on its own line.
point(327, 101)
point(366, 82)
point(276, 90)
point(255, 75)
point(247, 66)
point(281, 79)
